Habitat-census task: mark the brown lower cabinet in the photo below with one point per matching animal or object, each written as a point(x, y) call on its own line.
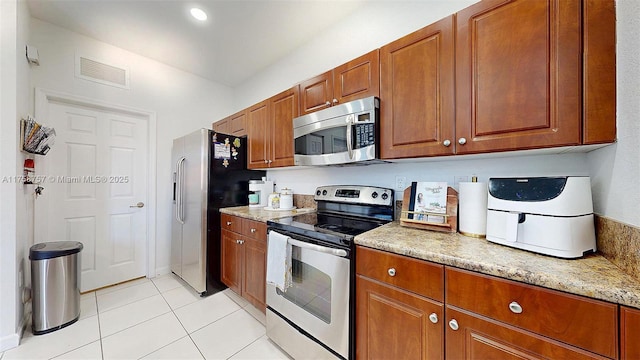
point(396, 324)
point(629, 333)
point(477, 337)
point(244, 258)
point(399, 315)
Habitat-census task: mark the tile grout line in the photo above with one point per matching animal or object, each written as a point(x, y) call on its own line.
point(99, 328)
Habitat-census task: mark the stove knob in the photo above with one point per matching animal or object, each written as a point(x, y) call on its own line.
point(318, 193)
point(374, 195)
point(324, 192)
point(385, 196)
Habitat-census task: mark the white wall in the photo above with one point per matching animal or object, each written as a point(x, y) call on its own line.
point(375, 24)
point(615, 170)
point(24, 196)
point(182, 102)
point(13, 105)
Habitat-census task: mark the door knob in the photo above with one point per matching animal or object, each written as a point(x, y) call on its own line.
point(138, 205)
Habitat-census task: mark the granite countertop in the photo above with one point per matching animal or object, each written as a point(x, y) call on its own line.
point(260, 214)
point(592, 276)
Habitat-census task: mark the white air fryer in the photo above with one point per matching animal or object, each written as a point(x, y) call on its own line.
point(547, 215)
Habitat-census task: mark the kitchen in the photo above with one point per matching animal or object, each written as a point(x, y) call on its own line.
point(613, 169)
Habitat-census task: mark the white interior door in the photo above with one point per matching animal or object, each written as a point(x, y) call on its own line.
point(93, 178)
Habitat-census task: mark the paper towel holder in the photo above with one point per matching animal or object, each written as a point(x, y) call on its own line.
point(451, 217)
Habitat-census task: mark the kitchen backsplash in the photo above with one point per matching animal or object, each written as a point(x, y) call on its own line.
point(620, 244)
point(304, 201)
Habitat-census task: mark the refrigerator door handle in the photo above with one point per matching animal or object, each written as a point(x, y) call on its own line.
point(179, 178)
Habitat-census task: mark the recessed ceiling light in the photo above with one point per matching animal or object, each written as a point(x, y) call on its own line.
point(199, 14)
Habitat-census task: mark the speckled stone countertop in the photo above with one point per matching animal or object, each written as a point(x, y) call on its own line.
point(592, 276)
point(260, 214)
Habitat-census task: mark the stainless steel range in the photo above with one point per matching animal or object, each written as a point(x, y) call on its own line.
point(313, 316)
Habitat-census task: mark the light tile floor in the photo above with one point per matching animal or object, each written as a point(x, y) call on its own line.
point(160, 318)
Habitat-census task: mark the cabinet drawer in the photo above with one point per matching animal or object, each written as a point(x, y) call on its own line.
point(414, 275)
point(586, 323)
point(231, 223)
point(255, 229)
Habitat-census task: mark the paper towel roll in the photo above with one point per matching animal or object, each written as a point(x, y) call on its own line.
point(472, 214)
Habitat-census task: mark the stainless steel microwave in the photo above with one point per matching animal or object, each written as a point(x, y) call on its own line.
point(341, 134)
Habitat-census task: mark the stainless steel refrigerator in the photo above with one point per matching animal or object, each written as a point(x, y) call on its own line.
point(209, 173)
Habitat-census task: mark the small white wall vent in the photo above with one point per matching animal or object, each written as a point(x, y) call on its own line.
point(97, 71)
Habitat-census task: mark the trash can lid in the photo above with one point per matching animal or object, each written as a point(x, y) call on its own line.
point(54, 249)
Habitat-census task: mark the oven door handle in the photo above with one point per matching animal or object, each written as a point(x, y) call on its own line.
point(318, 248)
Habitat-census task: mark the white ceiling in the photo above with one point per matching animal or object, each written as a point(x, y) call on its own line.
point(240, 38)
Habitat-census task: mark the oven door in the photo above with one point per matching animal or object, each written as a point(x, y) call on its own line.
point(317, 302)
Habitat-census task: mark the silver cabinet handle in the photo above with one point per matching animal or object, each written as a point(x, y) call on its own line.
point(453, 324)
point(515, 307)
point(138, 205)
point(328, 103)
point(391, 272)
point(240, 242)
point(446, 143)
point(228, 223)
point(433, 317)
point(462, 141)
point(253, 230)
point(266, 161)
point(270, 161)
point(335, 101)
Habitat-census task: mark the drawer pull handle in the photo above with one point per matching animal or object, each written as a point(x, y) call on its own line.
point(392, 272)
point(253, 230)
point(228, 223)
point(453, 324)
point(515, 307)
point(433, 318)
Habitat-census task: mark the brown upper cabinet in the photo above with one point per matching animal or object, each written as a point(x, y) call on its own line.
point(353, 80)
point(235, 124)
point(417, 93)
point(270, 124)
point(528, 74)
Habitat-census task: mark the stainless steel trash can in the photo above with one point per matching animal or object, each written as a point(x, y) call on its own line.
point(55, 282)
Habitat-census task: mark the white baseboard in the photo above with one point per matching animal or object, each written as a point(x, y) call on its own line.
point(9, 342)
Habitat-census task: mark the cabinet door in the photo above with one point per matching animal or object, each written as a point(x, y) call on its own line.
point(357, 79)
point(518, 75)
point(238, 123)
point(231, 257)
point(599, 28)
point(481, 338)
point(395, 324)
point(255, 272)
point(629, 331)
point(221, 126)
point(284, 107)
point(259, 135)
point(417, 93)
point(316, 93)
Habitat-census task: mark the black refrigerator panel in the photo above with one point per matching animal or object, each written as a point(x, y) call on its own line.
point(228, 187)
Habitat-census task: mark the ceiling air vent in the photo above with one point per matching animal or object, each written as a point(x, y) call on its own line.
point(102, 73)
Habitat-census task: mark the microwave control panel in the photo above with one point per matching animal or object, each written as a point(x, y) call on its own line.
point(365, 135)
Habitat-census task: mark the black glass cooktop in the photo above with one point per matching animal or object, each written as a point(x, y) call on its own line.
point(330, 227)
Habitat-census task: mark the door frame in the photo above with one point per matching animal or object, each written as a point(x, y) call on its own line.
point(42, 99)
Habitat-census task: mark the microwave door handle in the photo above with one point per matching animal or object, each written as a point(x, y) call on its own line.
point(318, 248)
point(350, 121)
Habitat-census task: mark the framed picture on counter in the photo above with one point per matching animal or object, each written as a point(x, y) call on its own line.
point(428, 199)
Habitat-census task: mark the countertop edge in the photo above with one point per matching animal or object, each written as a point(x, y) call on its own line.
point(592, 276)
